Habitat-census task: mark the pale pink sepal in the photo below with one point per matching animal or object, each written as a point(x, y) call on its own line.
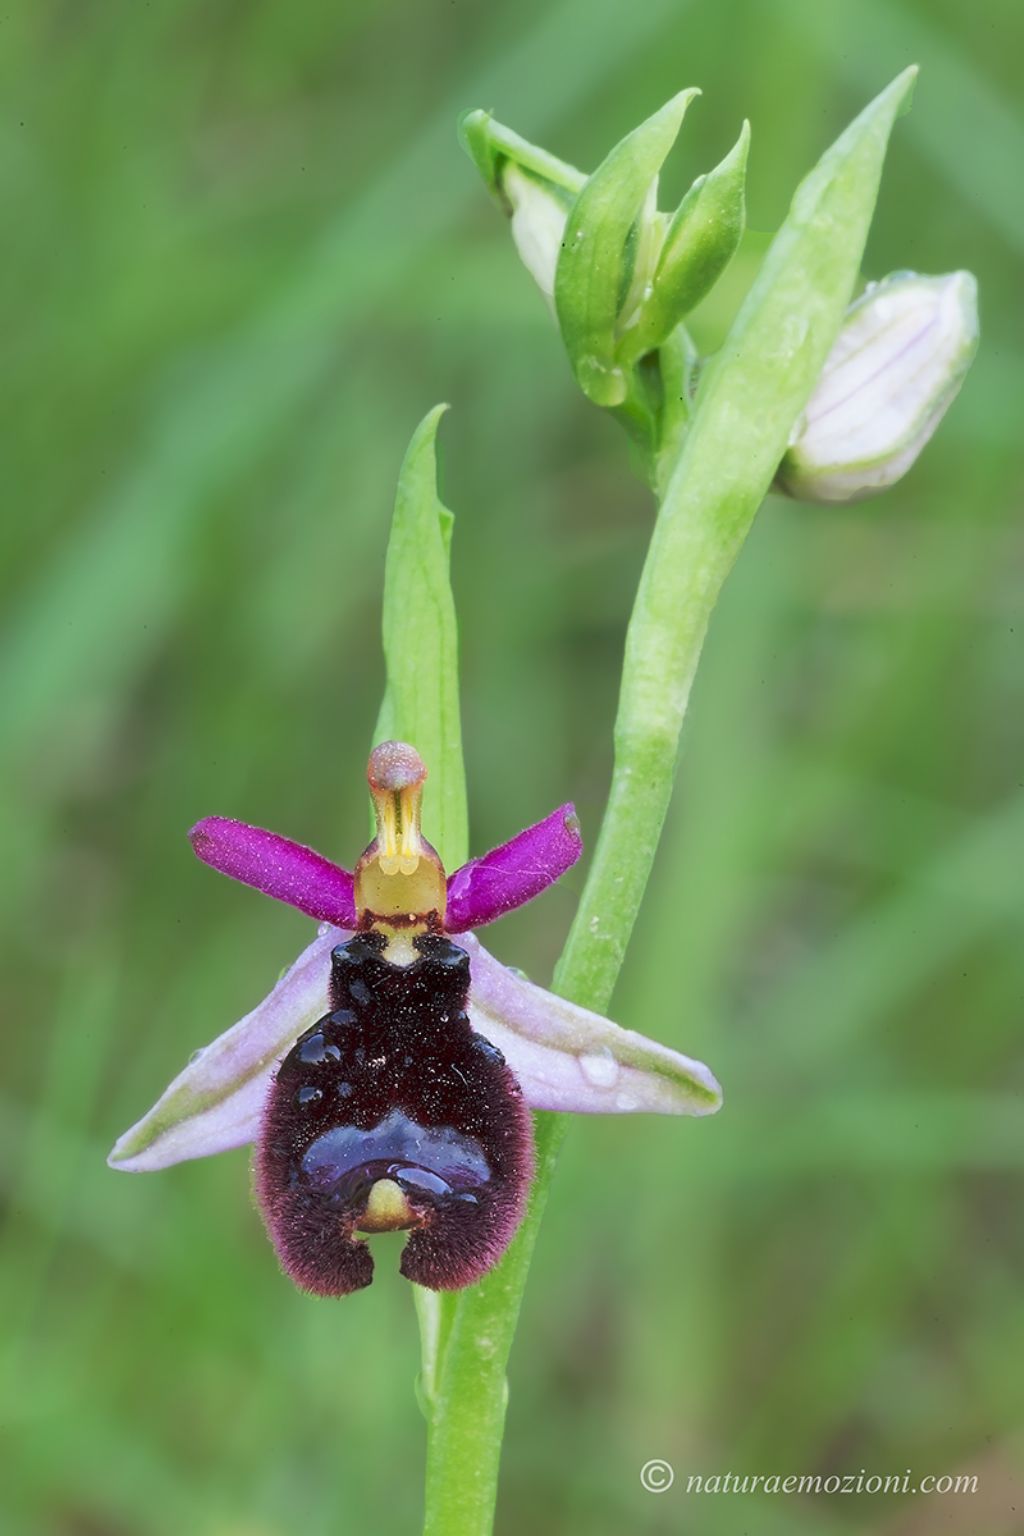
point(216, 1102)
point(567, 1058)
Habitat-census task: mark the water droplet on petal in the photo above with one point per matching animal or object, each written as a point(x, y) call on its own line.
point(196, 1055)
point(625, 1102)
point(600, 1068)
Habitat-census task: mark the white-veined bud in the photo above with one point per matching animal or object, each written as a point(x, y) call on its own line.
point(897, 364)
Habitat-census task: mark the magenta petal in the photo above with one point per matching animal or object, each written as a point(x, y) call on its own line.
point(278, 867)
point(487, 888)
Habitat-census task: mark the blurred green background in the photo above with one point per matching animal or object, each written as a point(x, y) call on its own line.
point(244, 256)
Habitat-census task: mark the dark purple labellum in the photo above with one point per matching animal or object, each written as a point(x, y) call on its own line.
point(390, 1112)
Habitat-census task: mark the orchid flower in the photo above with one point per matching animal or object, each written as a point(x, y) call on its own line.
point(387, 1078)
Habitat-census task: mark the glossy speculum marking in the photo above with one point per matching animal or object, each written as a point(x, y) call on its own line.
point(392, 1113)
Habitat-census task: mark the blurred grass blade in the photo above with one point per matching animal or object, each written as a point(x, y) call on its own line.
point(100, 609)
point(973, 106)
point(901, 944)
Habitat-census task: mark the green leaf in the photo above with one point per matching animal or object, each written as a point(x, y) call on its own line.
point(421, 643)
point(593, 269)
point(700, 243)
point(421, 706)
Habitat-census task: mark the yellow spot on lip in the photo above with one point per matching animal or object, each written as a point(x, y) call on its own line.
point(387, 1209)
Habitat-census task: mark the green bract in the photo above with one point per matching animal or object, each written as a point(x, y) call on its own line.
point(699, 244)
point(491, 146)
point(622, 276)
point(420, 632)
point(609, 252)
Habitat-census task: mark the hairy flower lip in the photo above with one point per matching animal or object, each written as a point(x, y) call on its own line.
point(565, 1057)
point(393, 1084)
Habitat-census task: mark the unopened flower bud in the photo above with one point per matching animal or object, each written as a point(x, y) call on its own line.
point(697, 246)
point(897, 364)
point(539, 212)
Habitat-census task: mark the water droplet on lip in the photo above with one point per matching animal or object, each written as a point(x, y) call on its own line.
point(422, 1181)
point(600, 1068)
point(196, 1055)
point(486, 1051)
point(316, 1049)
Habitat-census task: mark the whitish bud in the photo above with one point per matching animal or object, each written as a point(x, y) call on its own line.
point(897, 364)
point(539, 212)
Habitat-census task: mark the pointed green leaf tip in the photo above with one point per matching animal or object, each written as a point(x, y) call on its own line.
point(594, 267)
point(700, 243)
point(420, 634)
point(479, 145)
point(862, 144)
point(778, 343)
point(490, 146)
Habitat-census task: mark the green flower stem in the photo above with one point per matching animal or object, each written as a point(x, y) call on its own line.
point(746, 407)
